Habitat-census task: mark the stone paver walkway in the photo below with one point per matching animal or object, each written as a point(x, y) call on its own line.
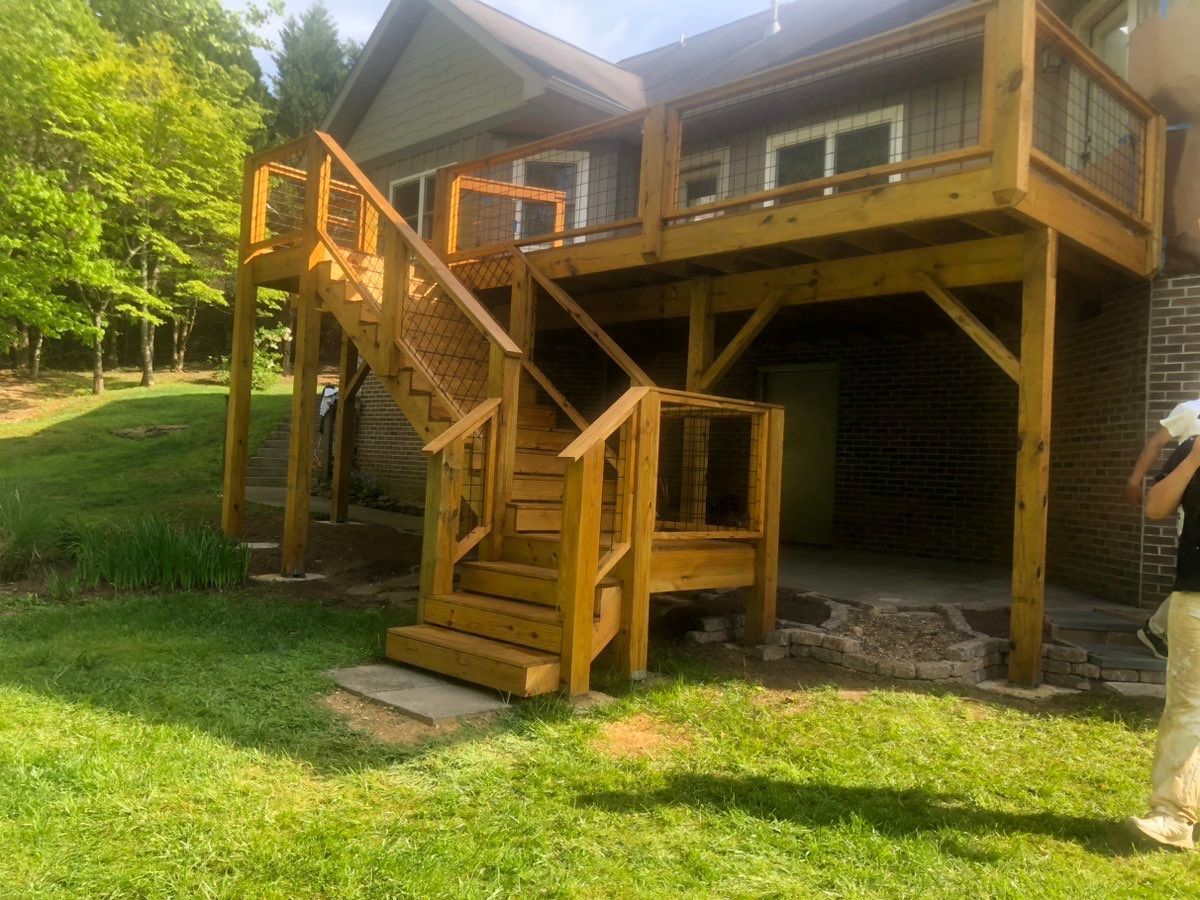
point(422, 695)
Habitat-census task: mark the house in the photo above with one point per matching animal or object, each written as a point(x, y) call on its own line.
point(814, 279)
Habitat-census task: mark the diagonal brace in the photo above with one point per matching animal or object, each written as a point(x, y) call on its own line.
point(736, 347)
point(966, 320)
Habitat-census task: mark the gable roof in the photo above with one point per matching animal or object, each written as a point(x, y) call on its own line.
point(544, 61)
point(736, 49)
point(547, 63)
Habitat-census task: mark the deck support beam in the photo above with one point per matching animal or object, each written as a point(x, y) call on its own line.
point(693, 499)
point(1038, 302)
point(304, 417)
point(743, 339)
point(237, 412)
point(350, 377)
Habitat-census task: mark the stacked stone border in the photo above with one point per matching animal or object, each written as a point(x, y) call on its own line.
point(976, 658)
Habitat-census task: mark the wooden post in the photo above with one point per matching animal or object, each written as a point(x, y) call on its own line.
point(306, 349)
point(343, 441)
point(304, 417)
point(504, 381)
point(443, 488)
point(578, 563)
point(393, 296)
point(1012, 63)
point(1038, 301)
point(760, 614)
point(659, 175)
point(445, 213)
point(693, 486)
point(241, 360)
point(634, 570)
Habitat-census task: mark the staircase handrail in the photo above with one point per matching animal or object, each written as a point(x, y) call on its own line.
point(446, 280)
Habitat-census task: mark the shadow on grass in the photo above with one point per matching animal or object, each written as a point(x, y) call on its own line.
point(244, 670)
point(892, 812)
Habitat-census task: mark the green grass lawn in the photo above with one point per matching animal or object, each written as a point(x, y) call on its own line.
point(178, 746)
point(72, 460)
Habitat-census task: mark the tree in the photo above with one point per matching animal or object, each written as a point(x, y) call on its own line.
point(312, 63)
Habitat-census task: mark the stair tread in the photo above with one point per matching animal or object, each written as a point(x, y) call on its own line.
point(503, 605)
point(487, 648)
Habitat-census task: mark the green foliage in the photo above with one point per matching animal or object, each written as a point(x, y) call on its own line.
point(153, 553)
point(27, 533)
point(312, 63)
point(268, 359)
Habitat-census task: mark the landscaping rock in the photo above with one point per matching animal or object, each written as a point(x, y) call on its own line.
point(826, 655)
point(1086, 670)
point(839, 644)
point(1148, 677)
point(932, 669)
point(966, 650)
point(897, 668)
point(771, 652)
point(1068, 681)
point(807, 638)
point(1126, 689)
point(1057, 666)
point(860, 662)
point(1120, 674)
point(706, 637)
point(801, 650)
point(1065, 654)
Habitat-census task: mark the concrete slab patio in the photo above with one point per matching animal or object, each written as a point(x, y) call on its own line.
point(424, 696)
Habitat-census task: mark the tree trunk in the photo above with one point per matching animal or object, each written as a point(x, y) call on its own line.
point(98, 354)
point(35, 354)
point(146, 339)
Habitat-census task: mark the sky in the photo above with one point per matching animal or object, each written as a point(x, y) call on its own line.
point(612, 29)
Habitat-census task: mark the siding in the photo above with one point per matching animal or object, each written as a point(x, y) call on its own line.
point(444, 81)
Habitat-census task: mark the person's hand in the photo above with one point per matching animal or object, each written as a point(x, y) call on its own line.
point(1133, 492)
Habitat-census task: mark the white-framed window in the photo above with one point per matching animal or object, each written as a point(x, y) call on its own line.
point(703, 177)
point(414, 198)
point(848, 144)
point(560, 170)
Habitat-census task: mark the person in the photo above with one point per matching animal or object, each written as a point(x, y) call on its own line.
point(1182, 423)
point(1175, 777)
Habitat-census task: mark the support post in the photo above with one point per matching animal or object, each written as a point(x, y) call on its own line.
point(760, 615)
point(237, 421)
point(304, 414)
point(1038, 301)
point(693, 485)
point(659, 175)
point(578, 563)
point(444, 480)
point(633, 639)
point(343, 440)
point(504, 381)
point(241, 359)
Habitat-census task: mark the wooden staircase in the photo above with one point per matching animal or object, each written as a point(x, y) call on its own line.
point(540, 535)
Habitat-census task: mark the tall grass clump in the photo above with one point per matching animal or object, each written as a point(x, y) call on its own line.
point(27, 534)
point(154, 553)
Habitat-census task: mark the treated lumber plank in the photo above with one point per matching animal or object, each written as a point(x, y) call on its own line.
point(742, 340)
point(634, 570)
point(760, 610)
point(701, 565)
point(1012, 96)
point(475, 659)
point(578, 566)
point(501, 620)
point(971, 326)
point(1038, 301)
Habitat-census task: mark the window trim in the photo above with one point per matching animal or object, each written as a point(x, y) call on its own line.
point(892, 115)
point(422, 212)
point(699, 159)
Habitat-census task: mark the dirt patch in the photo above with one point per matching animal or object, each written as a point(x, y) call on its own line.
point(914, 637)
point(638, 737)
point(144, 432)
point(992, 622)
point(787, 703)
point(381, 723)
point(349, 556)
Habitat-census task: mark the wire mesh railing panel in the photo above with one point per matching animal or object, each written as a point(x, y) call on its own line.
point(482, 273)
point(574, 191)
point(281, 193)
point(476, 481)
point(708, 475)
point(450, 345)
point(806, 136)
point(1085, 127)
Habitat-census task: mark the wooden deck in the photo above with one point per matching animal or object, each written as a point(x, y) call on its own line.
point(550, 520)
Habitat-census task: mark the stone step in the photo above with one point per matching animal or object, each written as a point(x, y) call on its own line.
point(1119, 663)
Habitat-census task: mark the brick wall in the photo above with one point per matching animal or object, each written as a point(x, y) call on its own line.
point(1094, 541)
point(1173, 375)
point(387, 449)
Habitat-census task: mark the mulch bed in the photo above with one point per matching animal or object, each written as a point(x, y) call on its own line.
point(908, 636)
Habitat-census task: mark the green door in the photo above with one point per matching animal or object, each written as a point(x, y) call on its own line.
point(808, 395)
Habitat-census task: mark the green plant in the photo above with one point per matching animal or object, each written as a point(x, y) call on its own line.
point(27, 533)
point(267, 363)
point(152, 552)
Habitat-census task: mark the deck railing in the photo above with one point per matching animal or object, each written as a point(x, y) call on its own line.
point(928, 100)
point(1091, 129)
point(634, 427)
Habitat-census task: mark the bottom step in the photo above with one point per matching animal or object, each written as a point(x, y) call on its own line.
point(514, 670)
